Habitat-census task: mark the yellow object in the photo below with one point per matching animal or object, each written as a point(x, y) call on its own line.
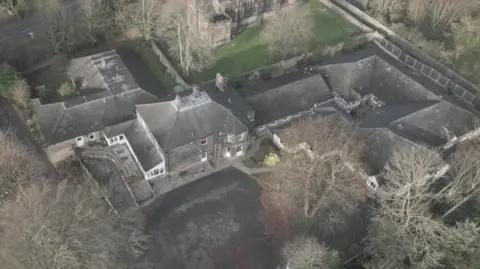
point(271, 159)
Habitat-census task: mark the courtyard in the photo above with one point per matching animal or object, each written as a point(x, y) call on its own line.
point(211, 223)
point(247, 52)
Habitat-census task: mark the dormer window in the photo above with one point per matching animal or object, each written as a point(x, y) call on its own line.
point(203, 141)
point(91, 136)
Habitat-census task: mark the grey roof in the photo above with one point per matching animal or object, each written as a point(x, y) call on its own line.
point(383, 116)
point(380, 142)
point(371, 71)
point(432, 121)
point(106, 93)
point(144, 147)
point(277, 101)
point(59, 122)
point(230, 99)
point(173, 126)
point(104, 73)
point(117, 129)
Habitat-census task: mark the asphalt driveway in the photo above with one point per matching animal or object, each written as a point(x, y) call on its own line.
point(210, 224)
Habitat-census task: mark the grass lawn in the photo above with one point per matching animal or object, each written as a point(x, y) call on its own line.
point(247, 52)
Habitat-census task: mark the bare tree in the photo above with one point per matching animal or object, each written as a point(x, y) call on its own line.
point(18, 165)
point(54, 22)
point(289, 32)
point(181, 29)
point(141, 15)
point(96, 17)
point(69, 226)
point(21, 94)
point(464, 184)
point(417, 10)
point(307, 253)
point(385, 6)
point(404, 228)
point(443, 12)
point(319, 176)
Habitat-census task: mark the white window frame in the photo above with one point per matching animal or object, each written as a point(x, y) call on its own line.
point(228, 152)
point(156, 172)
point(230, 138)
point(261, 128)
point(204, 157)
point(273, 123)
point(121, 137)
point(204, 141)
point(237, 152)
point(240, 137)
point(80, 141)
point(92, 136)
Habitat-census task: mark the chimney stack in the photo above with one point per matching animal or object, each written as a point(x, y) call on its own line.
point(195, 91)
point(219, 82)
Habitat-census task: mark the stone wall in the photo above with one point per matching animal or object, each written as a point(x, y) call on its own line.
point(170, 68)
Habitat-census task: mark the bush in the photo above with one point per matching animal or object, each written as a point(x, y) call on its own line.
point(65, 89)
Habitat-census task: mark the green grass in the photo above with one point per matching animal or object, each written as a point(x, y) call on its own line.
point(247, 52)
point(155, 66)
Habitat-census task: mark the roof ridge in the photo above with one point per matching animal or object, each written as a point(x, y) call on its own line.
point(433, 103)
point(58, 123)
point(167, 141)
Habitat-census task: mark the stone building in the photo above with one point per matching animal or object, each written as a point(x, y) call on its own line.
point(220, 19)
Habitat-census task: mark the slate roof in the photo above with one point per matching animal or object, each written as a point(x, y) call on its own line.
point(300, 91)
point(202, 116)
point(372, 71)
point(106, 95)
point(60, 123)
point(118, 129)
point(144, 147)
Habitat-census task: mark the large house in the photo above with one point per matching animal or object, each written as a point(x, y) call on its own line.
point(218, 20)
point(213, 124)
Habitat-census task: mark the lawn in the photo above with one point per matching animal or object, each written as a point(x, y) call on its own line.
point(247, 52)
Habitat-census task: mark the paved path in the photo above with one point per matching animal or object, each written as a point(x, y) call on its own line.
point(251, 171)
point(16, 33)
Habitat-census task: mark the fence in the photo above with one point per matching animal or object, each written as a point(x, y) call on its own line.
point(447, 84)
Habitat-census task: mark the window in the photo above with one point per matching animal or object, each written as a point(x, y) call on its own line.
point(230, 138)
point(227, 152)
point(261, 128)
point(203, 141)
point(298, 114)
point(122, 138)
point(111, 140)
point(286, 118)
point(239, 151)
point(240, 137)
point(156, 172)
point(79, 141)
point(203, 157)
point(162, 171)
point(92, 136)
